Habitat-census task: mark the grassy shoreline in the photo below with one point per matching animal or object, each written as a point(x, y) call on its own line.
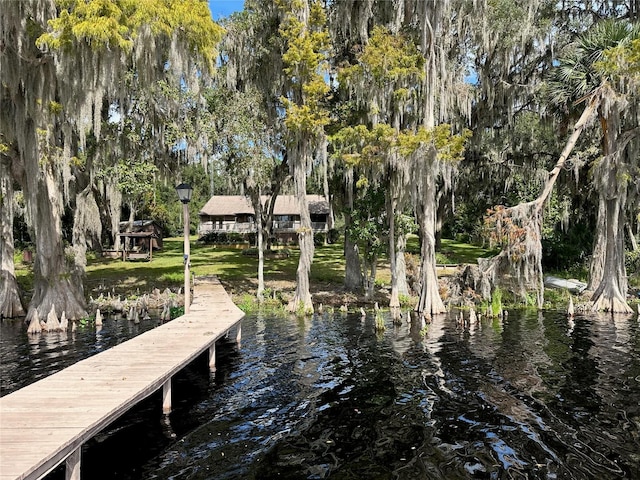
point(238, 273)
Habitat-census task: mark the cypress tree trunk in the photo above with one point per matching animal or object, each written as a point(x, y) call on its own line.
point(303, 28)
point(257, 208)
point(430, 301)
point(353, 277)
point(401, 265)
point(632, 238)
point(611, 293)
point(353, 268)
point(596, 268)
point(86, 220)
point(394, 301)
point(54, 281)
point(260, 290)
point(53, 99)
point(370, 270)
point(31, 83)
point(302, 296)
point(10, 303)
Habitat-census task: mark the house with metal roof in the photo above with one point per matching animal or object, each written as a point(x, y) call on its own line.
point(234, 213)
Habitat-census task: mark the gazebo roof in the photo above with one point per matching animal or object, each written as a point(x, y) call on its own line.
point(139, 234)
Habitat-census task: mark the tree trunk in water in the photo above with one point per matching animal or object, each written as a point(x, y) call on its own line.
point(302, 296)
point(430, 301)
point(596, 268)
point(10, 303)
point(611, 294)
point(370, 278)
point(394, 301)
point(55, 284)
point(353, 268)
point(401, 265)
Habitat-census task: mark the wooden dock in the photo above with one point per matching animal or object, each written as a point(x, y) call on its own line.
point(47, 422)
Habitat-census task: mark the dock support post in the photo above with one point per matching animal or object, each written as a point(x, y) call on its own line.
point(72, 465)
point(238, 333)
point(166, 397)
point(212, 357)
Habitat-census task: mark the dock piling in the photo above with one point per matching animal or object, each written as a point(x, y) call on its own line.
point(166, 397)
point(72, 465)
point(238, 333)
point(212, 357)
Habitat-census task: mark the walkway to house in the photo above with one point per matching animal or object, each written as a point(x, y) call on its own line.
point(47, 422)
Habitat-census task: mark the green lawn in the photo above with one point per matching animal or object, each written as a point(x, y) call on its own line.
point(456, 252)
point(167, 267)
point(452, 252)
point(229, 264)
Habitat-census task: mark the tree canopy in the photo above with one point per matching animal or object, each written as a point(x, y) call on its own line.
point(508, 122)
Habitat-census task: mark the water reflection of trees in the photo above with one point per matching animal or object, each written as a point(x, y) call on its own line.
point(536, 383)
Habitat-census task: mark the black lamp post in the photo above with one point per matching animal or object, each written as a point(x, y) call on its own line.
point(184, 194)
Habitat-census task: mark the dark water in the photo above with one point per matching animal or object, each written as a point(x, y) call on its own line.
point(25, 359)
point(533, 396)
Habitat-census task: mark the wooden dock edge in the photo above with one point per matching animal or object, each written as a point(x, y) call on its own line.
point(209, 297)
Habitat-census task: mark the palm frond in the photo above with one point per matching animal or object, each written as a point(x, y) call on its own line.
point(576, 75)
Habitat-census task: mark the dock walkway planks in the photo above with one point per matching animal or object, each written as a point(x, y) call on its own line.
point(47, 422)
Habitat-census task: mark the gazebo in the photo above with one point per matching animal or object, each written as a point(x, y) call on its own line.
point(144, 241)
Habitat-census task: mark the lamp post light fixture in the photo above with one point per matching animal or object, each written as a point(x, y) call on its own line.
point(184, 194)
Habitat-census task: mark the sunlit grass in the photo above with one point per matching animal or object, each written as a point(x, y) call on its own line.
point(166, 269)
point(452, 252)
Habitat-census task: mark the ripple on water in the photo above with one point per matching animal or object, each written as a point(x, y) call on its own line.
point(327, 397)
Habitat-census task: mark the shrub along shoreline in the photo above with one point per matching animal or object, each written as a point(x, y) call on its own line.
point(236, 267)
